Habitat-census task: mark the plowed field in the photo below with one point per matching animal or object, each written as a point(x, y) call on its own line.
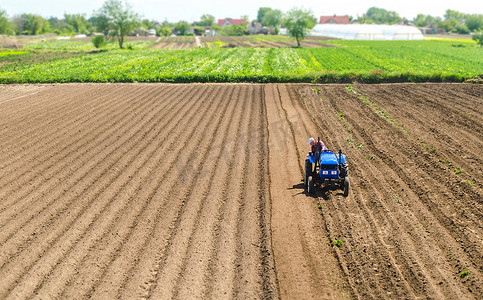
point(194, 191)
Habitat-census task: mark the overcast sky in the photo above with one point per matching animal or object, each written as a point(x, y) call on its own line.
point(191, 10)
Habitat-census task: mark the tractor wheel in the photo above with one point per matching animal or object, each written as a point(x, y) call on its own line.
point(346, 186)
point(308, 172)
point(310, 185)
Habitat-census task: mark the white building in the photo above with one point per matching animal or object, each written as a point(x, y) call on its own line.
point(367, 32)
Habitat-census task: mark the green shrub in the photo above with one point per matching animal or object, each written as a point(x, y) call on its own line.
point(99, 41)
point(478, 37)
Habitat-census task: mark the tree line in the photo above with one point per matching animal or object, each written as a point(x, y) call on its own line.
point(452, 22)
point(30, 24)
point(117, 19)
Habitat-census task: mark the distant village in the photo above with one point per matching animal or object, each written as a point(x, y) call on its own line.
point(375, 24)
point(254, 27)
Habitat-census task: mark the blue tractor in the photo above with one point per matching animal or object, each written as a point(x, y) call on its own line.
point(328, 168)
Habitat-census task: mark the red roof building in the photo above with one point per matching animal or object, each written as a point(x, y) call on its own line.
point(334, 19)
point(228, 22)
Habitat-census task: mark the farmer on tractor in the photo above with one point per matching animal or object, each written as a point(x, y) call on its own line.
point(317, 145)
point(323, 166)
point(317, 148)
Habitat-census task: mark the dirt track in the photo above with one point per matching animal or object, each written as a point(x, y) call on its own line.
point(194, 191)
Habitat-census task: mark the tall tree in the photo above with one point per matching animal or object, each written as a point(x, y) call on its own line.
point(59, 26)
point(78, 22)
point(454, 14)
point(207, 20)
point(298, 23)
point(32, 24)
point(422, 20)
point(17, 24)
point(261, 12)
point(448, 25)
point(461, 29)
point(474, 22)
point(273, 18)
point(164, 31)
point(121, 19)
point(147, 24)
point(380, 16)
point(101, 23)
point(5, 26)
point(235, 30)
point(182, 27)
point(246, 18)
point(167, 24)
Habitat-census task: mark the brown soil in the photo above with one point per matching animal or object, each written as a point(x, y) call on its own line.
point(233, 41)
point(306, 265)
point(411, 224)
point(171, 45)
point(155, 191)
point(126, 39)
point(178, 42)
point(194, 191)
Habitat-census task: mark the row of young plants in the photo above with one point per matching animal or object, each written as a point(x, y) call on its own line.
point(12, 60)
point(67, 45)
point(362, 61)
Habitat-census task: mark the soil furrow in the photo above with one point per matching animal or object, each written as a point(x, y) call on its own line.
point(22, 109)
point(267, 270)
point(294, 118)
point(157, 228)
point(48, 165)
point(106, 252)
point(425, 196)
point(21, 97)
point(167, 144)
point(75, 167)
point(235, 143)
point(224, 262)
point(64, 188)
point(111, 284)
point(462, 157)
point(245, 232)
point(113, 187)
point(50, 110)
point(195, 191)
point(369, 215)
point(447, 126)
point(297, 256)
point(325, 122)
point(427, 267)
point(160, 270)
point(53, 131)
point(204, 211)
point(98, 192)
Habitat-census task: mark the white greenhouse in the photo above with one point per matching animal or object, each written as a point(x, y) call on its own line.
point(367, 32)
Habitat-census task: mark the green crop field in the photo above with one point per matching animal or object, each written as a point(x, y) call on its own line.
point(365, 61)
point(69, 45)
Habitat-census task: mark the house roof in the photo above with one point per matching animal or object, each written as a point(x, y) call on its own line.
point(334, 19)
point(221, 22)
